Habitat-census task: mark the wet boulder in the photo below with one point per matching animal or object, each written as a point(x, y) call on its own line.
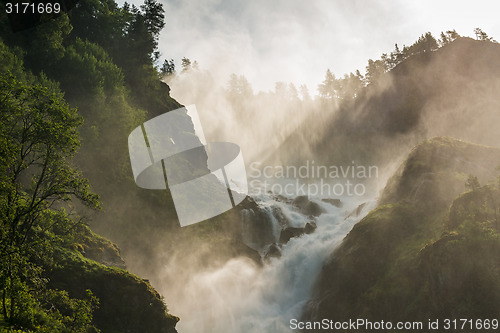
point(290, 232)
point(274, 251)
point(307, 207)
point(256, 227)
point(310, 227)
point(334, 202)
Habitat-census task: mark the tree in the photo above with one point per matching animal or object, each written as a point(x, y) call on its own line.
point(140, 44)
point(481, 35)
point(472, 183)
point(448, 37)
point(186, 64)
point(443, 40)
point(351, 85)
point(38, 135)
point(154, 17)
point(244, 87)
point(452, 35)
point(239, 93)
point(387, 61)
point(304, 93)
point(431, 43)
point(396, 56)
point(293, 93)
point(425, 43)
point(330, 87)
point(46, 44)
point(238, 87)
point(168, 67)
point(374, 71)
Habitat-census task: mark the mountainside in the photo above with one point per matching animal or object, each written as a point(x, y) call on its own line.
point(427, 251)
point(68, 100)
point(452, 91)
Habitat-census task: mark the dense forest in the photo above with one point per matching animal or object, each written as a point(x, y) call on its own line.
point(71, 89)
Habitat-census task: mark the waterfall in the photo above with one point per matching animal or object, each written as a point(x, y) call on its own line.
point(242, 297)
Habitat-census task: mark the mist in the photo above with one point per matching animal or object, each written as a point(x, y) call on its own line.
point(369, 134)
point(255, 84)
point(295, 41)
point(258, 122)
point(240, 295)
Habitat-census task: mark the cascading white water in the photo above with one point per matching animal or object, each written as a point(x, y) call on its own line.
point(242, 297)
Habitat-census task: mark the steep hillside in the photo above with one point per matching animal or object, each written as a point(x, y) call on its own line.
point(452, 91)
point(414, 257)
point(68, 101)
point(127, 303)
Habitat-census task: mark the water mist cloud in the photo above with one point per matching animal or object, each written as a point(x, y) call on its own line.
point(296, 41)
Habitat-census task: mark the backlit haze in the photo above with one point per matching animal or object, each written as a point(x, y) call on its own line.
point(296, 41)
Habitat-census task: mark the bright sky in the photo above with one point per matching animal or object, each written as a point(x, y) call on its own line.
point(296, 40)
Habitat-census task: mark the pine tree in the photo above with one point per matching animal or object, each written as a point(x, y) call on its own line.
point(186, 64)
point(168, 67)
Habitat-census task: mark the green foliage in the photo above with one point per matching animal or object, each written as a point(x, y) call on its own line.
point(101, 59)
point(45, 44)
point(168, 67)
point(153, 17)
point(73, 315)
point(10, 62)
point(130, 36)
point(90, 71)
point(38, 135)
point(126, 302)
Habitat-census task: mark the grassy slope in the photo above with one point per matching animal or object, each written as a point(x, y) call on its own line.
point(127, 303)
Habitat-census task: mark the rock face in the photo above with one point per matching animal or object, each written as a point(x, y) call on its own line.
point(413, 257)
point(260, 225)
point(310, 227)
point(307, 207)
point(290, 232)
point(274, 251)
point(334, 202)
point(256, 224)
